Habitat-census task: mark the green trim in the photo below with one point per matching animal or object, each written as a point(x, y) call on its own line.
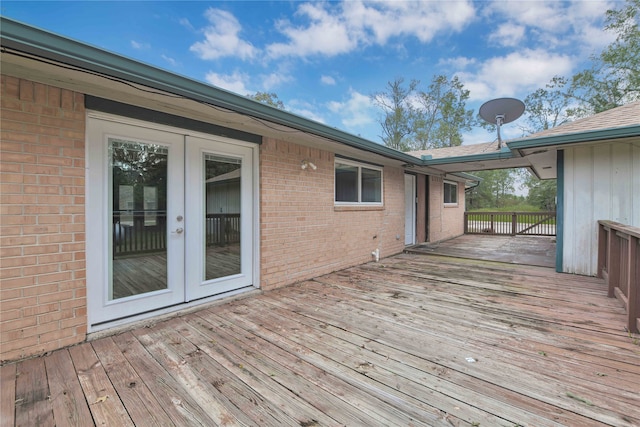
point(575, 137)
point(559, 210)
point(33, 41)
point(496, 155)
point(467, 176)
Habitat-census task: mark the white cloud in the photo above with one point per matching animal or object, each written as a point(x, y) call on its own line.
point(187, 24)
point(305, 109)
point(327, 80)
point(333, 29)
point(273, 80)
point(508, 35)
point(170, 60)
point(459, 63)
point(512, 74)
point(326, 35)
point(236, 82)
point(554, 24)
point(222, 38)
point(356, 112)
point(139, 45)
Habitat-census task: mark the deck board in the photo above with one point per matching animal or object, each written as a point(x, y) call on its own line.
point(378, 344)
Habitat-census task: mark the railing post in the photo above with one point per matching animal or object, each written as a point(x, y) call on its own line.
point(602, 248)
point(633, 276)
point(514, 223)
point(466, 223)
point(613, 262)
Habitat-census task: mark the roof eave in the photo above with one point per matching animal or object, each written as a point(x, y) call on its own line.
point(496, 155)
point(575, 137)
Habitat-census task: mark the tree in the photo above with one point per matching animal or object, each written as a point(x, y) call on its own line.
point(268, 98)
point(442, 115)
point(548, 107)
point(418, 120)
point(542, 193)
point(397, 113)
point(614, 77)
point(495, 190)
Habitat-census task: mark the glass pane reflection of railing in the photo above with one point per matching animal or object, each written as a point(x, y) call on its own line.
point(139, 231)
point(145, 231)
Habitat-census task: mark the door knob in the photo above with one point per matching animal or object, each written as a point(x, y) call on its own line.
point(178, 231)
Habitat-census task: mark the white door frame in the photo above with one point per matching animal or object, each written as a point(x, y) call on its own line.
point(410, 209)
point(97, 235)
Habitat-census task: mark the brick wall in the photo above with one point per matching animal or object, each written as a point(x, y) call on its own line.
point(445, 222)
point(42, 263)
point(303, 234)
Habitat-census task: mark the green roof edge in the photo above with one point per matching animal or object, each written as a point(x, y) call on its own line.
point(574, 137)
point(28, 39)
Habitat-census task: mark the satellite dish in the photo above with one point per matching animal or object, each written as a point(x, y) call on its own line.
point(500, 111)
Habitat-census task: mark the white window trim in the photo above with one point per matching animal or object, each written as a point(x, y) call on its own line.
point(443, 193)
point(359, 166)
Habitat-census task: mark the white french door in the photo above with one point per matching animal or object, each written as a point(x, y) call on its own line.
point(169, 218)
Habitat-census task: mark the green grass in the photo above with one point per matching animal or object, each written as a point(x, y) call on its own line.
point(517, 208)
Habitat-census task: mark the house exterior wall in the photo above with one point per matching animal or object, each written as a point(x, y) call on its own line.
point(445, 222)
point(42, 220)
point(600, 182)
point(303, 234)
point(42, 240)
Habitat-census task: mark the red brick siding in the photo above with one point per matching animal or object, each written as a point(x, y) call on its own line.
point(303, 234)
point(42, 261)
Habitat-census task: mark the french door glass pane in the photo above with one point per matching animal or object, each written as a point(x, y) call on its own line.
point(138, 217)
point(222, 216)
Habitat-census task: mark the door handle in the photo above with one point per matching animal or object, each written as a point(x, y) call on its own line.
point(178, 231)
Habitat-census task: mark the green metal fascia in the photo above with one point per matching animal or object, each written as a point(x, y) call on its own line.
point(467, 176)
point(28, 39)
point(497, 155)
point(576, 137)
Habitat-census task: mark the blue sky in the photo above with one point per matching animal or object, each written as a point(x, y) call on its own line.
point(325, 59)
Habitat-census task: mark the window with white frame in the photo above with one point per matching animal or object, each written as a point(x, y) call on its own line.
point(450, 193)
point(357, 183)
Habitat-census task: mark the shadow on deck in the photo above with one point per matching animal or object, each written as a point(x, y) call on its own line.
point(412, 340)
point(526, 250)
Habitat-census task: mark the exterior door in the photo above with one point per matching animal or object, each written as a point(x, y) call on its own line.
point(169, 218)
point(219, 217)
point(135, 230)
point(409, 209)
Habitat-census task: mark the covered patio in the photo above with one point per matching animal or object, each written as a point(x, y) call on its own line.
point(412, 340)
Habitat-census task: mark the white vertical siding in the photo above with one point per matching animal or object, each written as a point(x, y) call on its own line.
point(601, 182)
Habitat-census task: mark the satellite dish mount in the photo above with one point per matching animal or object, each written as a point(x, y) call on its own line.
point(501, 111)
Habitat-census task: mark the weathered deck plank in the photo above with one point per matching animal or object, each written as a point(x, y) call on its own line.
point(379, 344)
point(7, 395)
point(67, 398)
point(106, 408)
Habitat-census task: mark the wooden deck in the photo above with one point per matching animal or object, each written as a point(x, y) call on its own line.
point(527, 250)
point(413, 340)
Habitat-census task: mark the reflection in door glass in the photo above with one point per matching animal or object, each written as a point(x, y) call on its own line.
point(138, 218)
point(222, 216)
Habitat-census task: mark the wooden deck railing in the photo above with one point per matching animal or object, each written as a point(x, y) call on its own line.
point(510, 223)
point(619, 266)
